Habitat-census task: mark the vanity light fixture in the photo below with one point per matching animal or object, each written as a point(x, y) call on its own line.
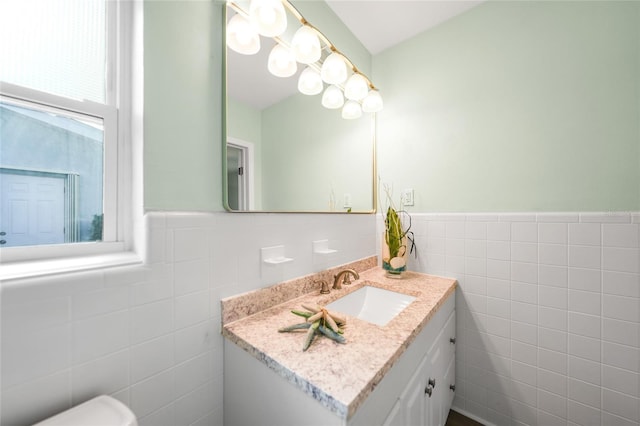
point(281, 62)
point(334, 69)
point(356, 87)
point(332, 97)
point(306, 45)
point(309, 82)
point(269, 18)
point(351, 110)
point(372, 102)
point(241, 36)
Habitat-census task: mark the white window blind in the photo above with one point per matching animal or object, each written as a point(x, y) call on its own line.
point(55, 46)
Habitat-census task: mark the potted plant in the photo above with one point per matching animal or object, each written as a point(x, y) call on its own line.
point(397, 239)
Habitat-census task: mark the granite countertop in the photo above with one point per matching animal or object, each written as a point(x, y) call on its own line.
point(339, 376)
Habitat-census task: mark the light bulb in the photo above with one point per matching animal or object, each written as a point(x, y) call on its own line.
point(332, 97)
point(309, 82)
point(334, 69)
point(351, 110)
point(372, 102)
point(268, 17)
point(356, 87)
point(281, 62)
point(306, 45)
point(241, 36)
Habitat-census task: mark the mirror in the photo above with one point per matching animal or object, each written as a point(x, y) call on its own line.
point(285, 152)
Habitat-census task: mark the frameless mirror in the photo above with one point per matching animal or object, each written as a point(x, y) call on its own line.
point(285, 152)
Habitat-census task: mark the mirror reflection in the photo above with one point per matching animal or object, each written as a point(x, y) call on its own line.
point(285, 151)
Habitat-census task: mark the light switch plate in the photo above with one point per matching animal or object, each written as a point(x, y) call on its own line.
point(407, 197)
point(347, 200)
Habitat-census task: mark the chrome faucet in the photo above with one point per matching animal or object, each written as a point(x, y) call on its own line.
point(343, 277)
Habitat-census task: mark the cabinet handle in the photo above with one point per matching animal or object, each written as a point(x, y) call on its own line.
point(452, 340)
point(428, 391)
point(431, 382)
point(452, 387)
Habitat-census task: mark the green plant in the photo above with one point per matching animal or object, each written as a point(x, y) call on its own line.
point(398, 236)
point(96, 228)
point(394, 233)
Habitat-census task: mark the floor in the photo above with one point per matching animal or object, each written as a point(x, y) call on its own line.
point(457, 419)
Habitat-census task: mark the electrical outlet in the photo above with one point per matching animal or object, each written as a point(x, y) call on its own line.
point(347, 201)
point(407, 197)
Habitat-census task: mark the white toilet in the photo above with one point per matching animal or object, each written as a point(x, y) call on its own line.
point(100, 411)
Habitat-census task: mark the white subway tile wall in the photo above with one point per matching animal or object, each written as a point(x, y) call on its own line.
point(150, 335)
point(548, 314)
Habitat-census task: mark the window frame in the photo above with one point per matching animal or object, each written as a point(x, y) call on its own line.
point(116, 116)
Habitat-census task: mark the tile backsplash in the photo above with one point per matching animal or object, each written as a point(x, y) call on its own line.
point(548, 313)
point(150, 335)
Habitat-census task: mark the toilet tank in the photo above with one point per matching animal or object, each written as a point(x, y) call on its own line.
point(100, 411)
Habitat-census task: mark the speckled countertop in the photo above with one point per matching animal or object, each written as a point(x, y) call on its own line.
point(340, 377)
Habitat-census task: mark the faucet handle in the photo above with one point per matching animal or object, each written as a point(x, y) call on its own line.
point(325, 287)
point(347, 279)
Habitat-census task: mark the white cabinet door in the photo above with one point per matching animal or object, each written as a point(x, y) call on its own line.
point(449, 385)
point(395, 416)
point(413, 398)
point(441, 356)
point(449, 334)
point(434, 381)
point(448, 342)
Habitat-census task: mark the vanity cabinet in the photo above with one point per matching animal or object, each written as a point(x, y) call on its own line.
point(415, 390)
point(427, 398)
point(441, 375)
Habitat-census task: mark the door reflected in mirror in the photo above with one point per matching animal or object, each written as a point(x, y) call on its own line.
point(285, 152)
point(240, 174)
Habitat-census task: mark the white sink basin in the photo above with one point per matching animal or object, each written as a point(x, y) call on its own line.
point(372, 304)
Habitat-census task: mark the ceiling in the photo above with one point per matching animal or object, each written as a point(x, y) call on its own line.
point(378, 24)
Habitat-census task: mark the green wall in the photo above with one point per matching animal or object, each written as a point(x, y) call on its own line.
point(516, 106)
point(183, 100)
point(183, 105)
point(512, 106)
point(309, 161)
point(245, 123)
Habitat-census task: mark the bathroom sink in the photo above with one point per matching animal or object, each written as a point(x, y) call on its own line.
point(372, 304)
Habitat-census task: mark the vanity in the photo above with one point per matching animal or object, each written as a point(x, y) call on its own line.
point(394, 369)
point(395, 374)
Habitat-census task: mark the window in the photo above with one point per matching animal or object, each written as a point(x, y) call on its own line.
point(63, 115)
